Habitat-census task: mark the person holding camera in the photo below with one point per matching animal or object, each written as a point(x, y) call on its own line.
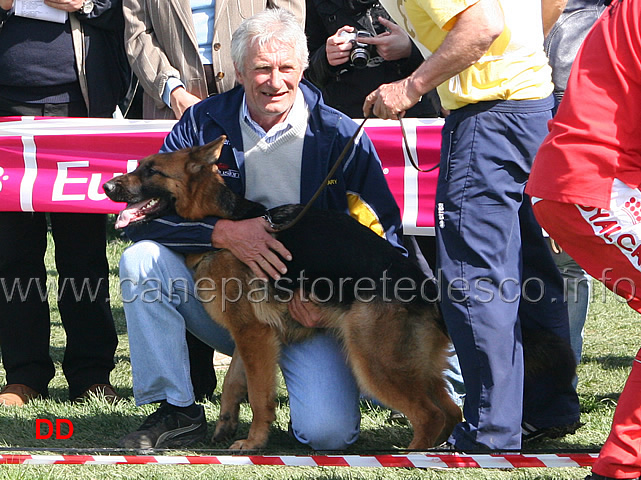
point(365, 49)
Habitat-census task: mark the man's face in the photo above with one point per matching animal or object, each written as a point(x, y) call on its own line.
point(271, 78)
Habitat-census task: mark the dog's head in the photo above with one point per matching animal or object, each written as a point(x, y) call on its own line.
point(172, 182)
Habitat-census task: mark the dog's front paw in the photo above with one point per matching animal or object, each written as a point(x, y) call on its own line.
point(225, 429)
point(246, 444)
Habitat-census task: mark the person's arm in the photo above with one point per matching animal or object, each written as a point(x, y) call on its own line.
point(471, 36)
point(149, 62)
point(551, 10)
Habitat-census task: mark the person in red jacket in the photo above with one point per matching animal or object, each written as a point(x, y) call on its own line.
point(585, 189)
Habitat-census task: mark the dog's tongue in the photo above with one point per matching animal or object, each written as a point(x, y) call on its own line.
point(129, 214)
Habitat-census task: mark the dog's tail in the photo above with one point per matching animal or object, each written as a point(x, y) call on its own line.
point(545, 353)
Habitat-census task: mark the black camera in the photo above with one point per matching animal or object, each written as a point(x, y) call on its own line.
point(361, 53)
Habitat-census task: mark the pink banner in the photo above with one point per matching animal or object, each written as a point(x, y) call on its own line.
point(59, 165)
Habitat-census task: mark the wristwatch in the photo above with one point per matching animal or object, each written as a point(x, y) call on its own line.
point(87, 7)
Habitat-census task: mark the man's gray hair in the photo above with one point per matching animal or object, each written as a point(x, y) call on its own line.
point(267, 26)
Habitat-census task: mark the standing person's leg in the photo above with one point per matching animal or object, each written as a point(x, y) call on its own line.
point(578, 289)
point(24, 308)
point(478, 252)
point(324, 397)
point(550, 398)
point(83, 299)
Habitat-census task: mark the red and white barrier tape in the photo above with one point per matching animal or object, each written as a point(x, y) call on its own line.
point(404, 461)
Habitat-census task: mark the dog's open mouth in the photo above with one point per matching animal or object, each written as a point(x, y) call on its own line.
point(141, 211)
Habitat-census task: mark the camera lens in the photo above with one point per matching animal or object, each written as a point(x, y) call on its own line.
point(359, 57)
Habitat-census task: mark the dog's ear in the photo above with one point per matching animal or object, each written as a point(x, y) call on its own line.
point(206, 155)
point(211, 151)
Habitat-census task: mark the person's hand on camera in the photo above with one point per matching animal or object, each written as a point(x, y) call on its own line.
point(337, 47)
point(394, 44)
point(6, 4)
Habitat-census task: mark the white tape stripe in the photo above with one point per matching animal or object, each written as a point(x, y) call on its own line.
point(424, 461)
point(556, 461)
point(355, 461)
point(30, 173)
point(486, 461)
point(294, 461)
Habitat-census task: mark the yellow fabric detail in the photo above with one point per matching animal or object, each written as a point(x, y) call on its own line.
point(514, 68)
point(364, 214)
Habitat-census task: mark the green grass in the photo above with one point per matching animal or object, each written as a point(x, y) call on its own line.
point(611, 341)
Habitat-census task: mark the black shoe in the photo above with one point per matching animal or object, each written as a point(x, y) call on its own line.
point(397, 417)
point(167, 427)
point(596, 476)
point(529, 432)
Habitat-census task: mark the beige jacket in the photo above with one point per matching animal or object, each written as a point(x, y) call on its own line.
point(160, 40)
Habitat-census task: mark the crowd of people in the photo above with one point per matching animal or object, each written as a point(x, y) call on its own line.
point(282, 80)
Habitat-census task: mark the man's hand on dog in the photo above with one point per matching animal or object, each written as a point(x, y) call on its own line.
point(251, 242)
point(306, 312)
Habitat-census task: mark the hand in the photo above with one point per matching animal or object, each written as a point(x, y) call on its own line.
point(251, 242)
point(337, 48)
point(181, 100)
point(66, 5)
point(391, 100)
point(392, 45)
point(306, 312)
point(6, 4)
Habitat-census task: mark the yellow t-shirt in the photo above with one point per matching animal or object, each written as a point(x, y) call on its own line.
point(514, 68)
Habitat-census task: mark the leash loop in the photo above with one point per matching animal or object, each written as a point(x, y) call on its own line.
point(332, 171)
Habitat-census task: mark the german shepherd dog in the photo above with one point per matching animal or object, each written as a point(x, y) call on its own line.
point(395, 343)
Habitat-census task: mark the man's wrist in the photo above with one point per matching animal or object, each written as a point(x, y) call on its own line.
point(415, 87)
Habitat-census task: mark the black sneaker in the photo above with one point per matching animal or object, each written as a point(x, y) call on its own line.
point(595, 476)
point(530, 433)
point(167, 428)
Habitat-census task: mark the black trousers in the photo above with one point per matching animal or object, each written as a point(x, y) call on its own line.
point(82, 289)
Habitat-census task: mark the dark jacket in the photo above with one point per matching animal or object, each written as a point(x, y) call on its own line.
point(102, 57)
point(328, 131)
point(345, 87)
point(566, 36)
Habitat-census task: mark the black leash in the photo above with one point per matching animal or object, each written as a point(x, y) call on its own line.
point(409, 153)
point(332, 171)
point(323, 184)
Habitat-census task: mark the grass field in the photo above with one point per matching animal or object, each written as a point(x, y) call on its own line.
point(611, 341)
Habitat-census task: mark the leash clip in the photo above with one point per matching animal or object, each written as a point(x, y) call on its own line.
point(268, 218)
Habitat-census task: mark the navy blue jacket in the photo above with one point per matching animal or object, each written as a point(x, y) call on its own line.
point(359, 187)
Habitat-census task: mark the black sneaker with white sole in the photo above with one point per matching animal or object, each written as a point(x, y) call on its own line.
point(530, 433)
point(167, 427)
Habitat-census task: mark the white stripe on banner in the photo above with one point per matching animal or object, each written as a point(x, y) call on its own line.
point(410, 183)
point(30, 174)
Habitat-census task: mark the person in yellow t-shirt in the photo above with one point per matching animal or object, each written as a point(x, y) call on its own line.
point(497, 278)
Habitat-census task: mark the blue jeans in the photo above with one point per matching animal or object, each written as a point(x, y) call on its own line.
point(489, 246)
point(159, 303)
